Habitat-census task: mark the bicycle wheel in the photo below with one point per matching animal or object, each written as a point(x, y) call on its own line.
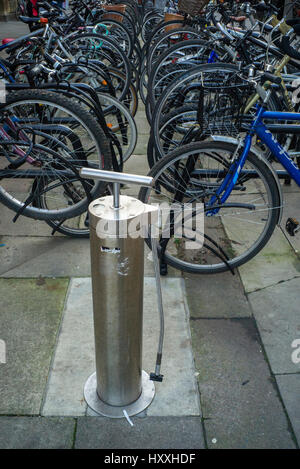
point(159, 29)
point(167, 40)
point(100, 48)
point(75, 227)
point(119, 32)
point(130, 99)
point(177, 128)
point(181, 126)
point(124, 19)
point(185, 89)
point(242, 226)
point(120, 122)
point(149, 23)
point(97, 77)
point(175, 61)
point(62, 136)
point(143, 84)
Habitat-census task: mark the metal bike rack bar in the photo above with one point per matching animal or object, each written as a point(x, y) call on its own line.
point(119, 385)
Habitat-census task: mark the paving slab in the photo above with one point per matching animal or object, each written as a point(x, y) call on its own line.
point(178, 393)
point(275, 263)
point(240, 404)
point(287, 188)
point(141, 121)
point(45, 256)
point(137, 164)
point(148, 433)
point(29, 321)
point(24, 226)
point(36, 433)
point(74, 357)
point(291, 209)
point(289, 387)
point(141, 146)
point(216, 296)
point(276, 310)
point(22, 257)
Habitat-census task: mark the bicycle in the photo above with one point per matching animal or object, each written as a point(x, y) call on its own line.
point(239, 189)
point(62, 137)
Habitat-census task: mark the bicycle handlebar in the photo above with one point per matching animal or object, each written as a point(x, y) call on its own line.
point(263, 7)
point(267, 76)
point(285, 45)
point(287, 30)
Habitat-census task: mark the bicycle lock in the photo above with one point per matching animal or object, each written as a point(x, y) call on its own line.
point(120, 387)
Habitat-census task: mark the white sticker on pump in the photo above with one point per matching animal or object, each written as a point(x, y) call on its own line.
point(110, 250)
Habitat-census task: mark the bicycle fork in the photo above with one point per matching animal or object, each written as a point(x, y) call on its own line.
point(225, 189)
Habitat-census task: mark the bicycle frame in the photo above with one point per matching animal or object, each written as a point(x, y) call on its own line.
point(257, 128)
point(268, 139)
point(6, 72)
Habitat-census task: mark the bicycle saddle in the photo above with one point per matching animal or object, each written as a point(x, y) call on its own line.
point(28, 19)
point(7, 40)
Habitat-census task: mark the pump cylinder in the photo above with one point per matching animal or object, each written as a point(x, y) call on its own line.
point(117, 267)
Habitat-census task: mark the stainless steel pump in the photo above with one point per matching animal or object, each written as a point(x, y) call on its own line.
point(119, 386)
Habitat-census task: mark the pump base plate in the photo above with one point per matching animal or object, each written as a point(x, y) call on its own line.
point(97, 405)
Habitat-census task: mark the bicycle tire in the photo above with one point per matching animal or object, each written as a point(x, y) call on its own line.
point(184, 33)
point(87, 123)
point(228, 237)
point(108, 50)
point(173, 61)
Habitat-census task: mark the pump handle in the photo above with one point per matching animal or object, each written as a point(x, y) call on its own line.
point(115, 177)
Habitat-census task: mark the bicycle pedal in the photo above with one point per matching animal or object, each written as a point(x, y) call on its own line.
point(292, 226)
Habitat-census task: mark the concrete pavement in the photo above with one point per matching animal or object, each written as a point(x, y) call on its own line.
point(232, 349)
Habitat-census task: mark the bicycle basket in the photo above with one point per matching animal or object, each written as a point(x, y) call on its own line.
point(220, 110)
point(192, 7)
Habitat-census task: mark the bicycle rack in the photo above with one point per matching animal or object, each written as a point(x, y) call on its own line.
point(119, 385)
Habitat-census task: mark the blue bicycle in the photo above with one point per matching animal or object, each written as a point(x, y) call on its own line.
point(229, 182)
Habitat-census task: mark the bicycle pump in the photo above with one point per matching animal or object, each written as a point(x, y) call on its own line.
point(119, 385)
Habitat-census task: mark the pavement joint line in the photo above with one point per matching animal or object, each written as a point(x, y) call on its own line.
point(29, 236)
point(203, 420)
point(241, 282)
point(287, 374)
point(74, 433)
point(273, 285)
point(272, 374)
point(193, 318)
point(55, 346)
point(187, 314)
